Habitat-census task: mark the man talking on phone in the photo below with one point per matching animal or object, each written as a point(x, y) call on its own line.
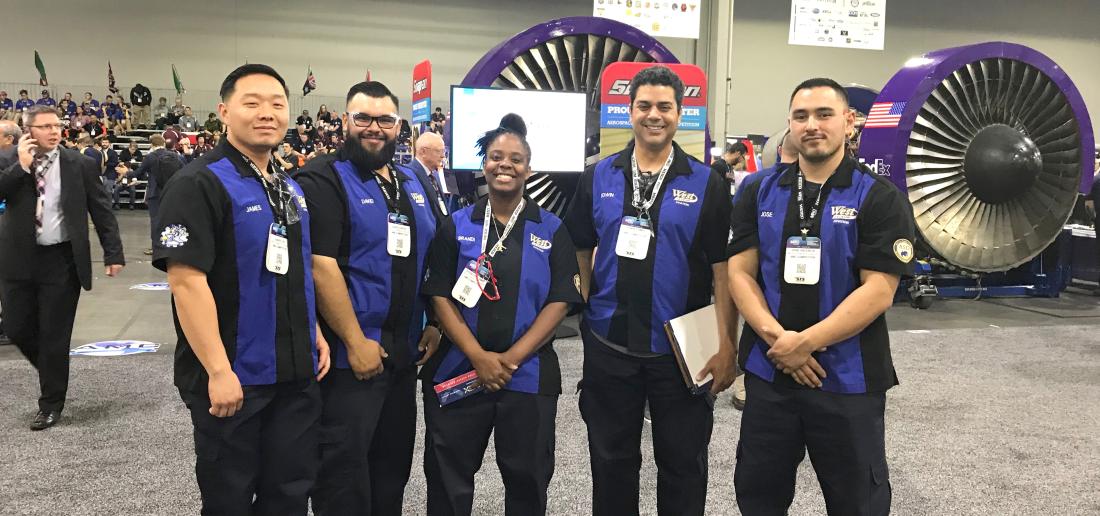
point(45, 255)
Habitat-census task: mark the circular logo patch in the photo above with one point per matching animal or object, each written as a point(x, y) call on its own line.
point(903, 249)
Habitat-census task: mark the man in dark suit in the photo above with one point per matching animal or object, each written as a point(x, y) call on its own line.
point(157, 167)
point(429, 159)
point(45, 254)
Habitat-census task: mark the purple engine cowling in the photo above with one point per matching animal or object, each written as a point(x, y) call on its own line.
point(915, 82)
point(992, 144)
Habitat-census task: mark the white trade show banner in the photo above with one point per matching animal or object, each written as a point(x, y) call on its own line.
point(838, 23)
point(668, 19)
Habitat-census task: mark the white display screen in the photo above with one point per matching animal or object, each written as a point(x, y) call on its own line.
point(555, 125)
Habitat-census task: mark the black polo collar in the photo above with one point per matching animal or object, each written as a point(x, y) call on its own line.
point(842, 177)
point(530, 210)
point(681, 165)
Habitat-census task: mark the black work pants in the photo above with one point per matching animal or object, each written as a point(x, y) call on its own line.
point(614, 391)
point(264, 458)
point(368, 429)
point(845, 436)
point(522, 426)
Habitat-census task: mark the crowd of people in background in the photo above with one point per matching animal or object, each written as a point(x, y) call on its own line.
point(91, 126)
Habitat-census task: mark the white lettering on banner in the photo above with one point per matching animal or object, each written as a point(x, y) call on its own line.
point(691, 111)
point(692, 91)
point(420, 86)
point(619, 87)
point(618, 110)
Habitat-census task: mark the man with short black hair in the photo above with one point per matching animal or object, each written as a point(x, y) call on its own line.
point(140, 99)
point(660, 220)
point(816, 252)
point(368, 291)
point(233, 236)
point(24, 103)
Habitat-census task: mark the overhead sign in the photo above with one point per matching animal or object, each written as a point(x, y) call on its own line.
point(115, 348)
point(667, 19)
point(422, 92)
point(838, 23)
point(615, 126)
point(150, 286)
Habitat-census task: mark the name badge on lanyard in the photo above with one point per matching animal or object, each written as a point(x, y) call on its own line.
point(278, 254)
point(399, 239)
point(634, 235)
point(471, 284)
point(635, 232)
point(802, 262)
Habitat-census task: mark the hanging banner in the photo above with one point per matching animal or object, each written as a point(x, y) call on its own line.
point(616, 129)
point(844, 24)
point(666, 19)
point(422, 92)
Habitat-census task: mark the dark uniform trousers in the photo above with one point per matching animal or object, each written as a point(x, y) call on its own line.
point(368, 429)
point(38, 317)
point(522, 426)
point(263, 459)
point(614, 390)
point(845, 436)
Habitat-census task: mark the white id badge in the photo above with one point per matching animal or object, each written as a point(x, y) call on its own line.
point(278, 255)
point(634, 235)
point(467, 289)
point(399, 241)
point(802, 265)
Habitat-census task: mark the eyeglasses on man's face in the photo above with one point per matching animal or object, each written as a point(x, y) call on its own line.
point(364, 120)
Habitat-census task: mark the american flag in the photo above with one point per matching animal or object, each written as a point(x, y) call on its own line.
point(884, 114)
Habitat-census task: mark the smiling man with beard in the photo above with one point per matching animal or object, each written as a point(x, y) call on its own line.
point(372, 223)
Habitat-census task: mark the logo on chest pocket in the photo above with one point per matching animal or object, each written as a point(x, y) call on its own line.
point(540, 243)
point(684, 197)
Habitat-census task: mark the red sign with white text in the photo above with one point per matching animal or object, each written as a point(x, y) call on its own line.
point(422, 92)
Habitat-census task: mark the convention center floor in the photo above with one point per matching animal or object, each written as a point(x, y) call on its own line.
point(998, 413)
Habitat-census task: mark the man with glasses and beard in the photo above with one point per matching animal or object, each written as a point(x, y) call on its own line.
point(372, 222)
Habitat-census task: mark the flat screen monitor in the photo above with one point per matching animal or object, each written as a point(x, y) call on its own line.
point(555, 125)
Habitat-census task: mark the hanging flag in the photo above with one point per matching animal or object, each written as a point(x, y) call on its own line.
point(176, 81)
point(111, 79)
point(311, 82)
point(41, 70)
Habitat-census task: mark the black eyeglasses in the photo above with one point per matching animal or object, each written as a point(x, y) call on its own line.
point(364, 120)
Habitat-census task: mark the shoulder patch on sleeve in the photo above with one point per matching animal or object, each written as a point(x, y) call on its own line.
point(173, 236)
point(903, 250)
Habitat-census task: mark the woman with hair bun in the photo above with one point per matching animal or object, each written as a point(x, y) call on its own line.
point(502, 275)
